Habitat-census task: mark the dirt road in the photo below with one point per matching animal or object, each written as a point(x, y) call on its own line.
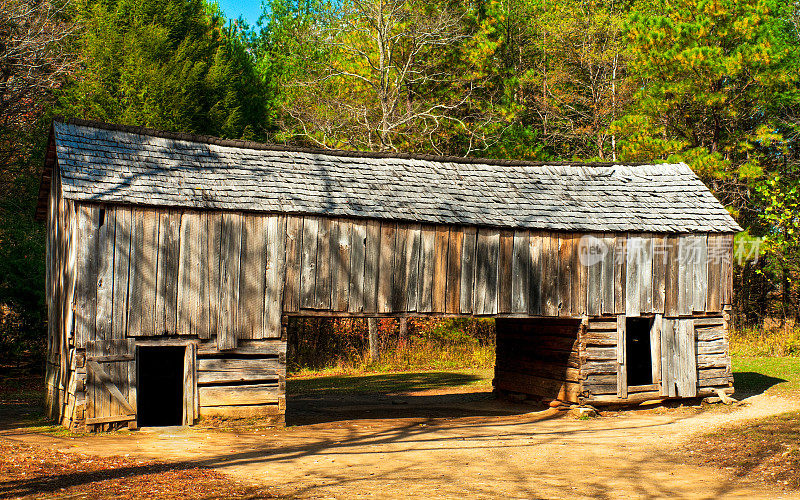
point(511, 453)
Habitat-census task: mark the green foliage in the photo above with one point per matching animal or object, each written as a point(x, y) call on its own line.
point(341, 345)
point(171, 65)
point(22, 246)
point(715, 77)
point(755, 374)
point(713, 83)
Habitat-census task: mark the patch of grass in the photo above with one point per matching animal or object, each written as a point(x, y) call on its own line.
point(389, 383)
point(775, 340)
point(768, 449)
point(427, 344)
point(754, 375)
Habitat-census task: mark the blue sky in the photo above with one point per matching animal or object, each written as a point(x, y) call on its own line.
point(249, 9)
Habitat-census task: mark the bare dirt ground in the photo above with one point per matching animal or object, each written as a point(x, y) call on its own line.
point(450, 444)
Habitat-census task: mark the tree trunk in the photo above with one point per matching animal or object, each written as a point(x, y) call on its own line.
point(372, 326)
point(401, 340)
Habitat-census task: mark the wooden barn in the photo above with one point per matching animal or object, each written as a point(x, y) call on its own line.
point(176, 262)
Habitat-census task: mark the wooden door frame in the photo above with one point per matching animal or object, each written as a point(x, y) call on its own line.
point(622, 355)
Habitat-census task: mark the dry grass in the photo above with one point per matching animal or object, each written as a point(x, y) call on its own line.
point(767, 450)
point(770, 340)
point(32, 472)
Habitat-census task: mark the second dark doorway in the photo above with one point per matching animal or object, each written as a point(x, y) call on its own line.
point(639, 359)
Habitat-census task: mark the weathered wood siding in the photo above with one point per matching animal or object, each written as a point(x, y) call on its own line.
point(146, 272)
point(484, 272)
point(538, 357)
point(247, 381)
point(690, 357)
point(226, 281)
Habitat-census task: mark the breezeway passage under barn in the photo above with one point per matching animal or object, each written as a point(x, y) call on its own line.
point(609, 283)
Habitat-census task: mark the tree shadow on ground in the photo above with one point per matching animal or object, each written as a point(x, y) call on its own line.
point(379, 383)
point(749, 384)
point(394, 395)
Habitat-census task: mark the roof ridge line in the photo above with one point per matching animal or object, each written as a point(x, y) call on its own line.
point(243, 144)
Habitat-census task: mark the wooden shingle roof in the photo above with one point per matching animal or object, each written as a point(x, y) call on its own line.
point(115, 164)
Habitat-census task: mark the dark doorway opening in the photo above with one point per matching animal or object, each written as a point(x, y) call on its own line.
point(640, 362)
point(160, 386)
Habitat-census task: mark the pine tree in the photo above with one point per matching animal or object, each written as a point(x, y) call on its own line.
point(170, 65)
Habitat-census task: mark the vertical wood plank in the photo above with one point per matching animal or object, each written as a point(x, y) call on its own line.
point(535, 273)
point(566, 272)
point(620, 274)
point(486, 271)
point(171, 272)
point(189, 273)
point(371, 264)
point(633, 277)
point(580, 280)
point(520, 272)
point(274, 275)
point(212, 276)
point(660, 255)
point(592, 258)
point(294, 236)
point(308, 266)
point(142, 312)
point(686, 249)
point(427, 268)
point(468, 261)
point(399, 295)
point(655, 347)
point(687, 381)
point(326, 233)
point(671, 278)
point(669, 358)
point(105, 274)
point(358, 250)
point(550, 274)
point(188, 390)
point(229, 280)
point(505, 271)
point(607, 304)
point(714, 280)
point(167, 271)
point(252, 275)
point(646, 275)
point(86, 274)
point(412, 267)
point(700, 273)
point(132, 380)
point(439, 291)
point(122, 252)
point(340, 273)
point(386, 266)
point(161, 257)
point(454, 249)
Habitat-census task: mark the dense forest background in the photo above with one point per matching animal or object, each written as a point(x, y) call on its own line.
point(713, 83)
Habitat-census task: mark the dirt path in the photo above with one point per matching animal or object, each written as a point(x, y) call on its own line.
point(529, 455)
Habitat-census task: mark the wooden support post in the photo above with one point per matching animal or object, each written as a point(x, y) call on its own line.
point(403, 333)
point(622, 362)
